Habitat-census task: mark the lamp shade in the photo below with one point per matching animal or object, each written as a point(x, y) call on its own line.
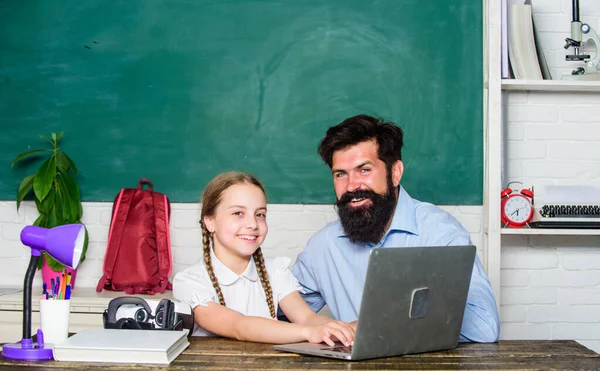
point(64, 243)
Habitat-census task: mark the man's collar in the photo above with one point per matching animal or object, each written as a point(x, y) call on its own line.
point(402, 220)
point(226, 276)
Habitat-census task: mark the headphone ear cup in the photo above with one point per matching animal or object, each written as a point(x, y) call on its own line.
point(141, 315)
point(505, 192)
point(119, 324)
point(127, 323)
point(161, 315)
point(170, 318)
point(527, 192)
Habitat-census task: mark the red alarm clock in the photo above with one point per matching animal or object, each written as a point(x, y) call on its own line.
point(516, 207)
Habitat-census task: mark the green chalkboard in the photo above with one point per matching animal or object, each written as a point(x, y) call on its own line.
point(179, 90)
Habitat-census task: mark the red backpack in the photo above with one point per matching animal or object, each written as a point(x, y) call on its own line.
point(138, 254)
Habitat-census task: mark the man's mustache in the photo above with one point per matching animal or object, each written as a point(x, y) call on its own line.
point(350, 195)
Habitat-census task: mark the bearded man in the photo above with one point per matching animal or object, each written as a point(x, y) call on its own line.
point(364, 155)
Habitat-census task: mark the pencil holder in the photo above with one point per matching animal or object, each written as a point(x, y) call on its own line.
point(48, 274)
point(54, 318)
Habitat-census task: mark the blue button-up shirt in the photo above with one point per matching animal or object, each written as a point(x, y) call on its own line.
point(332, 270)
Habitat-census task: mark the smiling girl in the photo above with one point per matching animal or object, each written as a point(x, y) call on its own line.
point(234, 291)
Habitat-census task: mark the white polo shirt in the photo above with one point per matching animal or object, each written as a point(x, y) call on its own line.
point(243, 293)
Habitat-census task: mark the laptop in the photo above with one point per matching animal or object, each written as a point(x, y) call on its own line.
point(413, 302)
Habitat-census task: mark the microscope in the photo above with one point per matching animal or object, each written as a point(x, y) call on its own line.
point(582, 35)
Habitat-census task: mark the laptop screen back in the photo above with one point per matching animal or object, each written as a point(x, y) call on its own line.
point(413, 300)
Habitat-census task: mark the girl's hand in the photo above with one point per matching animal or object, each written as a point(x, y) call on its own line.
point(330, 333)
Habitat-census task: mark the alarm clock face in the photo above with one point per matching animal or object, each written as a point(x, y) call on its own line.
point(517, 209)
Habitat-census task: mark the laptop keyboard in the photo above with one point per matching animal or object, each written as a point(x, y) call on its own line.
point(339, 348)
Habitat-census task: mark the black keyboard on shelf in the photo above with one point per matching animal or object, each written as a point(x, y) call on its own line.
point(567, 216)
point(570, 211)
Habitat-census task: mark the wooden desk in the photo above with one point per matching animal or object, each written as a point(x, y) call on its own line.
point(223, 354)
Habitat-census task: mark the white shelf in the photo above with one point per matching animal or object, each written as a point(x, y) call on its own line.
point(551, 85)
point(550, 232)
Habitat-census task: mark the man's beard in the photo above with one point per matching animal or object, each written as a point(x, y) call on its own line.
point(367, 223)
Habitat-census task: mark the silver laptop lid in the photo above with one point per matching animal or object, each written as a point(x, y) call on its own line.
point(413, 300)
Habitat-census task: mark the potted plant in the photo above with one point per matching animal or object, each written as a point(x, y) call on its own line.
point(56, 195)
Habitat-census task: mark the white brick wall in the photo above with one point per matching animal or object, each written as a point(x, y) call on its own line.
point(290, 227)
point(550, 285)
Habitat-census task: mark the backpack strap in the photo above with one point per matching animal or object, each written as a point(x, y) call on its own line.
point(119, 215)
point(162, 212)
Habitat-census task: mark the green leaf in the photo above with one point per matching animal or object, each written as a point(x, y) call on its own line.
point(59, 206)
point(27, 154)
point(53, 219)
point(38, 205)
point(68, 209)
point(24, 189)
point(62, 162)
point(41, 261)
point(45, 206)
point(40, 221)
point(53, 264)
point(71, 185)
point(54, 137)
point(44, 179)
point(45, 137)
point(71, 163)
point(76, 209)
point(60, 135)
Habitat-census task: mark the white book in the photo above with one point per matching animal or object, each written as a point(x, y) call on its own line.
point(521, 43)
point(122, 346)
point(505, 66)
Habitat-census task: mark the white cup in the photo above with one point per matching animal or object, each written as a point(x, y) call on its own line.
point(54, 317)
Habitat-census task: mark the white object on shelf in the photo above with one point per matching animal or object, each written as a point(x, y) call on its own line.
point(521, 43)
point(551, 85)
point(571, 194)
point(550, 232)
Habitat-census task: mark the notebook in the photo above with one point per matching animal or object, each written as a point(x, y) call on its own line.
point(413, 301)
point(122, 346)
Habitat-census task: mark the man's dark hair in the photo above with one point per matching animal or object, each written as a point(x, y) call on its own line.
point(362, 128)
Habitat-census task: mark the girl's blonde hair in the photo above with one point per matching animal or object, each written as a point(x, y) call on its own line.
point(211, 198)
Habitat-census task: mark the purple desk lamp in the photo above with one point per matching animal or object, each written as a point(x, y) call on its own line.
point(65, 244)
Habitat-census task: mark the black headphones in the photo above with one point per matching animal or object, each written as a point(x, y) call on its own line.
point(166, 318)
